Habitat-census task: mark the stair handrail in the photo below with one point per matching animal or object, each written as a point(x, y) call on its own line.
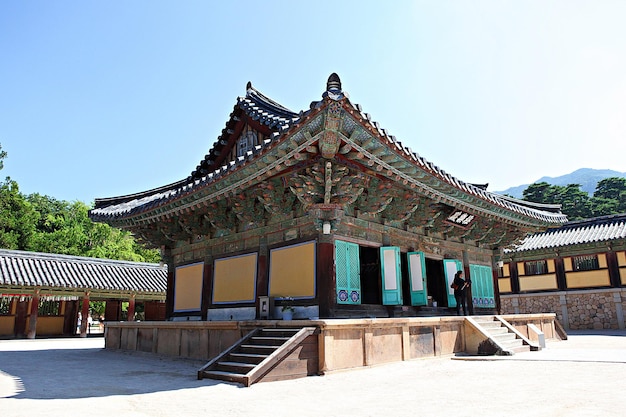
point(533, 346)
point(226, 352)
point(285, 349)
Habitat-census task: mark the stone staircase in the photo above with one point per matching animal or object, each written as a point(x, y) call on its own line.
point(256, 354)
point(502, 339)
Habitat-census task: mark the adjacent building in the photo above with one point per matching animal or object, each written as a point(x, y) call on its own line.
point(44, 294)
point(577, 271)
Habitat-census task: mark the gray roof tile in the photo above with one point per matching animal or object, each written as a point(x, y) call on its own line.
point(20, 268)
point(598, 229)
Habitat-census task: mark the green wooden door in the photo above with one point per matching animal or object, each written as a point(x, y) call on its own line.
point(417, 276)
point(482, 286)
point(450, 267)
point(391, 275)
point(347, 273)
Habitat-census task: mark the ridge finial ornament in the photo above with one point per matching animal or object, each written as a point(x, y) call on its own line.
point(333, 83)
point(248, 85)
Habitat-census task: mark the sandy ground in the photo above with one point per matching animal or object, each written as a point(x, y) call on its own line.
point(582, 376)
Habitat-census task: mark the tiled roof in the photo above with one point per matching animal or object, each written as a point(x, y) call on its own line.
point(52, 271)
point(280, 119)
point(257, 107)
point(598, 229)
point(265, 110)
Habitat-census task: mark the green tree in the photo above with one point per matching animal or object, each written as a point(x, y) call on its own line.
point(609, 198)
point(574, 202)
point(540, 192)
point(66, 228)
point(610, 195)
point(96, 309)
point(17, 217)
point(44, 224)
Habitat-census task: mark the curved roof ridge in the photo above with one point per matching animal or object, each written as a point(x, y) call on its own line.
point(253, 92)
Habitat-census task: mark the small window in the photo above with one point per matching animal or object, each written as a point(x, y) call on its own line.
point(535, 268)
point(246, 143)
point(49, 308)
point(585, 263)
point(5, 306)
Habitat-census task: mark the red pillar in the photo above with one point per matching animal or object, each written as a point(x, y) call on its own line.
point(32, 322)
point(84, 322)
point(131, 308)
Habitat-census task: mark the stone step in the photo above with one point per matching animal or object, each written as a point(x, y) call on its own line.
point(519, 349)
point(490, 324)
point(504, 337)
point(510, 344)
point(496, 330)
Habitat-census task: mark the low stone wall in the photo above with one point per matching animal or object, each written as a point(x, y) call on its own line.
point(575, 310)
point(342, 344)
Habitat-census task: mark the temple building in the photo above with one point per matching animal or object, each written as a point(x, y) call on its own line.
point(324, 211)
point(44, 294)
point(577, 271)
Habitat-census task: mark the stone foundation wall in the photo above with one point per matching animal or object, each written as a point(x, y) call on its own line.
point(575, 310)
point(341, 344)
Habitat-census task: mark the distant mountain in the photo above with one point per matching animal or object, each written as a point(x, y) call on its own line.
point(588, 179)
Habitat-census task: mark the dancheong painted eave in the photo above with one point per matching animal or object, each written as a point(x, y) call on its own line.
point(280, 125)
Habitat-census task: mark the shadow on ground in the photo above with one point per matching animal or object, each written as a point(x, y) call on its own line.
point(85, 373)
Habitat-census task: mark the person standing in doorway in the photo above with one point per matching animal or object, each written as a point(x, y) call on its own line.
point(459, 285)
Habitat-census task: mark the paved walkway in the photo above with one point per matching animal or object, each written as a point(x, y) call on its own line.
point(582, 376)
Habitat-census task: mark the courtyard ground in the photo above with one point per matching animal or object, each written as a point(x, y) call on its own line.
point(58, 377)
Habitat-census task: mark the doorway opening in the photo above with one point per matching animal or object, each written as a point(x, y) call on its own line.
point(436, 282)
point(370, 275)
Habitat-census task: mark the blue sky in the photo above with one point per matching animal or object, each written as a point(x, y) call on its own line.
point(101, 99)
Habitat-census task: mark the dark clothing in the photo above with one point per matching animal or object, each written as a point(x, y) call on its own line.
point(460, 294)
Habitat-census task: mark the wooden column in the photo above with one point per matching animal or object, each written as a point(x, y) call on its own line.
point(169, 300)
point(131, 308)
point(496, 286)
point(34, 309)
point(514, 276)
point(559, 268)
point(326, 277)
point(614, 275)
point(207, 288)
point(262, 284)
point(84, 322)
